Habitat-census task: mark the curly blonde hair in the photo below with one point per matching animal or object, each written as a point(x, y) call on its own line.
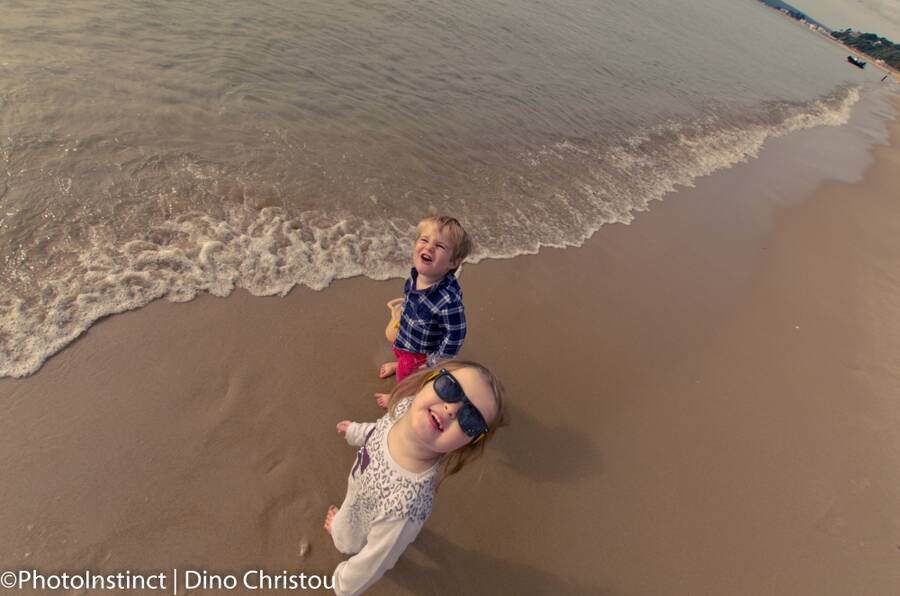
point(453, 462)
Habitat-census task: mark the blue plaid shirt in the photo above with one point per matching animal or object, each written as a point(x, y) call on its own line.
point(433, 321)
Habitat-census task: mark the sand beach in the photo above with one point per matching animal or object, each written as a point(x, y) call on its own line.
point(703, 402)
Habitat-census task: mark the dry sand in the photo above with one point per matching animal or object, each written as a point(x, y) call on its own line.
point(705, 402)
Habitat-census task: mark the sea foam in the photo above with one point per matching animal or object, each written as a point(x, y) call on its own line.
point(268, 250)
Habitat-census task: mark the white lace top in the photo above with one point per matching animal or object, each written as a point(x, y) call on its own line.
point(384, 510)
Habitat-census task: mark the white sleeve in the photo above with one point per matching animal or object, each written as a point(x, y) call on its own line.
point(385, 543)
point(357, 431)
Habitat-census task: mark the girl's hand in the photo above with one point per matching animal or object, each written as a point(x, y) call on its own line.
point(342, 426)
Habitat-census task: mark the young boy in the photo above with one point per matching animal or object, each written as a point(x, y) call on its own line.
point(432, 322)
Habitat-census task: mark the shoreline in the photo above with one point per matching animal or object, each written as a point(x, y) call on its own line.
point(885, 67)
point(42, 328)
point(700, 404)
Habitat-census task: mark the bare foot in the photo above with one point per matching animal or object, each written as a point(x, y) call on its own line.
point(329, 518)
point(382, 399)
point(387, 369)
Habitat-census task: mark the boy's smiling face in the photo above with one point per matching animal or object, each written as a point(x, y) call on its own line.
point(432, 254)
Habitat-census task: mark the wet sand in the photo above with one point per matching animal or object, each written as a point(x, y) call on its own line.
point(704, 402)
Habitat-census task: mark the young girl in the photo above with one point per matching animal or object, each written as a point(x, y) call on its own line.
point(437, 421)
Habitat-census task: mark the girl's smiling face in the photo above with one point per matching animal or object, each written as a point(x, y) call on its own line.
point(434, 421)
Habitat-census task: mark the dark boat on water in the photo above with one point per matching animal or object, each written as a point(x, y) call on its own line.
point(856, 62)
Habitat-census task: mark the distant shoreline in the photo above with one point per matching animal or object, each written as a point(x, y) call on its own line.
point(886, 68)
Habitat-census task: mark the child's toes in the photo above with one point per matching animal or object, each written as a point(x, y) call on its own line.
point(387, 369)
point(382, 399)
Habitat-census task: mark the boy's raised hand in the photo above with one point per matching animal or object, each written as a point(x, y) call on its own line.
point(342, 426)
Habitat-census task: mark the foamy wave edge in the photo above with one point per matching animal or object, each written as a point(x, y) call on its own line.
point(267, 252)
point(691, 154)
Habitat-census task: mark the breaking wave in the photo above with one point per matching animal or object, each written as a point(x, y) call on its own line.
point(557, 194)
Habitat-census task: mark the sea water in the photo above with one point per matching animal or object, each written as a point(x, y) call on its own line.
point(160, 149)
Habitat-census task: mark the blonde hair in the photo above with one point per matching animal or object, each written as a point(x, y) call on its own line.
point(453, 462)
point(450, 226)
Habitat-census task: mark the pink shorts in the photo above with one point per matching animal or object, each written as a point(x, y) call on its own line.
point(408, 363)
